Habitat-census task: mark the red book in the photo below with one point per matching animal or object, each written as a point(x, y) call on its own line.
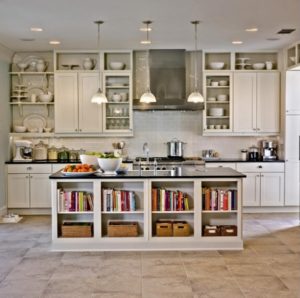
point(225, 201)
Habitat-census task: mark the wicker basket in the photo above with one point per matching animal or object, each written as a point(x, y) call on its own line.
point(164, 228)
point(181, 229)
point(211, 231)
point(228, 230)
point(77, 229)
point(118, 228)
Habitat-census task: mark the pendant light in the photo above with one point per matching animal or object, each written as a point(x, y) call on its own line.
point(148, 96)
point(99, 97)
point(195, 96)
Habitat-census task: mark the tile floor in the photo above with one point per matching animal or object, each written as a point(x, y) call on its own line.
point(269, 266)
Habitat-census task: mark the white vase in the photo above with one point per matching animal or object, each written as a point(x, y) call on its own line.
point(88, 63)
point(41, 65)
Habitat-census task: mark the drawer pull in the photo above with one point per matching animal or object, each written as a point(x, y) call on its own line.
point(29, 168)
point(260, 167)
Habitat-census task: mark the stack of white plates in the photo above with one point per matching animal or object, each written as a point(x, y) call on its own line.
point(217, 112)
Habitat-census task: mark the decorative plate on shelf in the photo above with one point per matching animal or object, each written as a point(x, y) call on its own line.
point(78, 174)
point(34, 121)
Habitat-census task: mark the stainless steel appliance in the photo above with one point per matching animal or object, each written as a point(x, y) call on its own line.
point(23, 151)
point(253, 154)
point(269, 150)
point(175, 148)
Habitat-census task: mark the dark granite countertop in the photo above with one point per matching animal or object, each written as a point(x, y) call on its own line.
point(43, 162)
point(208, 160)
point(185, 173)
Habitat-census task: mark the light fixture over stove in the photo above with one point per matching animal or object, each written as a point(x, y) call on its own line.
point(99, 97)
point(195, 96)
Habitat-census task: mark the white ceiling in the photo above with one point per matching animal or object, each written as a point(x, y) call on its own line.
point(71, 22)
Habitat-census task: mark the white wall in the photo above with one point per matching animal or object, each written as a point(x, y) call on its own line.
point(4, 128)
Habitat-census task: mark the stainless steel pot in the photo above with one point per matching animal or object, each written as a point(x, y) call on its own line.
point(175, 148)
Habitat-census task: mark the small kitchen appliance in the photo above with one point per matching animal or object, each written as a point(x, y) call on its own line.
point(269, 150)
point(175, 148)
point(253, 154)
point(23, 151)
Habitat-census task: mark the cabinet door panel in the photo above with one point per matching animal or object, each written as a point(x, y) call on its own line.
point(292, 92)
point(244, 106)
point(40, 191)
point(251, 190)
point(268, 102)
point(18, 191)
point(292, 135)
point(66, 103)
point(292, 179)
point(90, 114)
point(272, 189)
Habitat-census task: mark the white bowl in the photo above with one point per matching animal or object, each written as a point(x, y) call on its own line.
point(216, 112)
point(47, 129)
point(89, 159)
point(45, 97)
point(214, 84)
point(216, 65)
point(33, 130)
point(19, 128)
point(116, 65)
point(222, 97)
point(258, 66)
point(116, 97)
point(223, 83)
point(109, 165)
point(211, 99)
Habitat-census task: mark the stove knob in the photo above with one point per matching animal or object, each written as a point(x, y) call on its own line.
point(163, 168)
point(158, 168)
point(147, 168)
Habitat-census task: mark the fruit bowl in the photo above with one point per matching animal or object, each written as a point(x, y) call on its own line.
point(89, 159)
point(117, 65)
point(110, 165)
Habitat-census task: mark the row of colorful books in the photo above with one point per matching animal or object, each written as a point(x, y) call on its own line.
point(118, 200)
point(169, 200)
point(74, 201)
point(215, 199)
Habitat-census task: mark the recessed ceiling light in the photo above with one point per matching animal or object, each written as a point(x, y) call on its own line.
point(251, 29)
point(146, 42)
point(237, 42)
point(145, 29)
point(36, 29)
point(54, 42)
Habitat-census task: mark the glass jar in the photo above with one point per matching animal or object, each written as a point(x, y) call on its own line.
point(73, 155)
point(63, 154)
point(52, 153)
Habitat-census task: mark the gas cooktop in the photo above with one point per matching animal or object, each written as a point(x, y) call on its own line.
point(160, 159)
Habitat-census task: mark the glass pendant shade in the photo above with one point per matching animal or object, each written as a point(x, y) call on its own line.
point(99, 97)
point(195, 97)
point(147, 97)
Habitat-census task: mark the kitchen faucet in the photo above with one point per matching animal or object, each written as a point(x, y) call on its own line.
point(146, 151)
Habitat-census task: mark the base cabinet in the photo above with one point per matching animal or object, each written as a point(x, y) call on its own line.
point(146, 214)
point(292, 180)
point(264, 185)
point(28, 186)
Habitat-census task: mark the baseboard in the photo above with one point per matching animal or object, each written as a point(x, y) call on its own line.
point(3, 211)
point(31, 211)
point(294, 209)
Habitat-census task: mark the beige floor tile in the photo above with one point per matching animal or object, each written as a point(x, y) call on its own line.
point(48, 294)
point(260, 283)
point(293, 283)
point(204, 270)
point(149, 270)
point(272, 250)
point(250, 270)
point(270, 294)
point(168, 295)
point(168, 285)
point(286, 270)
point(114, 295)
point(232, 293)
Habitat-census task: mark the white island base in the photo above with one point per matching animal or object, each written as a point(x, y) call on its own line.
point(196, 216)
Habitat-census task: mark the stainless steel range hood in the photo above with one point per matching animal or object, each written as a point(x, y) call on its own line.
point(167, 70)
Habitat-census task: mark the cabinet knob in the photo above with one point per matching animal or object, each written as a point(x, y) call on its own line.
point(260, 167)
point(257, 175)
point(29, 168)
point(76, 129)
point(27, 176)
point(258, 129)
point(261, 175)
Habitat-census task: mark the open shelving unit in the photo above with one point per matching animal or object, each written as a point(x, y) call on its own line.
point(145, 217)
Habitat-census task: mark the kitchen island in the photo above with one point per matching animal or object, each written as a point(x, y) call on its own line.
point(190, 209)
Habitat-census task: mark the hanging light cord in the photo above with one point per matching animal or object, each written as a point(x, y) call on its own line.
point(195, 56)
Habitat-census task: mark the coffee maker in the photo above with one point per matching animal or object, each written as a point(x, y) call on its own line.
point(269, 150)
point(23, 151)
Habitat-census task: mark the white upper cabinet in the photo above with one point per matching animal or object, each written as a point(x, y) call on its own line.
point(256, 102)
point(292, 96)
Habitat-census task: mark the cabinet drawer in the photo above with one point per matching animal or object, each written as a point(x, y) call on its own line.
point(220, 165)
point(58, 167)
point(260, 167)
point(30, 168)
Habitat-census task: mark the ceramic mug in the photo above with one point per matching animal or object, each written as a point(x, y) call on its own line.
point(269, 65)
